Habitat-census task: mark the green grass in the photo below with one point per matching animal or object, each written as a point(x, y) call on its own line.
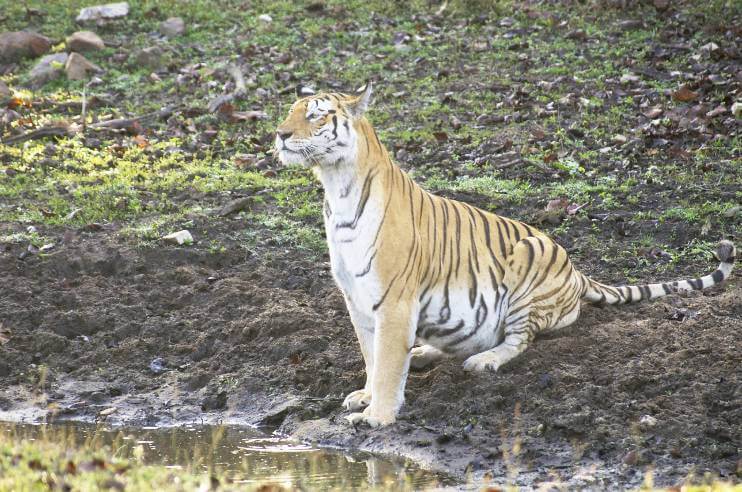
point(53, 464)
point(525, 66)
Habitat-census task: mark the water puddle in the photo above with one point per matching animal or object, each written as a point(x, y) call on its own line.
point(246, 455)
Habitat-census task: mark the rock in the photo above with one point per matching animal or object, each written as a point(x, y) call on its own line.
point(4, 89)
point(235, 206)
point(214, 402)
point(174, 26)
point(629, 78)
point(709, 49)
point(85, 41)
point(619, 139)
point(647, 422)
point(737, 109)
point(48, 68)
point(179, 238)
point(17, 45)
point(77, 67)
point(108, 411)
point(157, 365)
point(151, 57)
point(265, 18)
point(103, 12)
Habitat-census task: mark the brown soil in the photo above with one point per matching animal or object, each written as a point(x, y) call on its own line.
point(249, 340)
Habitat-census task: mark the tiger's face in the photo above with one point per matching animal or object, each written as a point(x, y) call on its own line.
point(320, 128)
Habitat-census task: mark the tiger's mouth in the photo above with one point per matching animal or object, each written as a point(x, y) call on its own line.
point(287, 156)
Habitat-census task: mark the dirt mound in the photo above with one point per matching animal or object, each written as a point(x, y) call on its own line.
point(178, 334)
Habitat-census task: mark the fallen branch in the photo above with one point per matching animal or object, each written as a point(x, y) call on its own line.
point(131, 123)
point(69, 129)
point(47, 131)
point(240, 89)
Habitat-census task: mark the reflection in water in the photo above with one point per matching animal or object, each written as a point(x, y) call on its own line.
point(245, 455)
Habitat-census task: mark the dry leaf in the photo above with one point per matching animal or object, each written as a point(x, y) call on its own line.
point(684, 94)
point(4, 334)
point(141, 141)
point(557, 204)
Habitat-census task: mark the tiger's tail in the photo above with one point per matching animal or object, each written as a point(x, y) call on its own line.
point(605, 294)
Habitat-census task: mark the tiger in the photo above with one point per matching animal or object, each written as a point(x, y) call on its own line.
point(426, 277)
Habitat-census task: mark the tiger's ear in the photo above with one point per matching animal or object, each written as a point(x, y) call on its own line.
point(303, 91)
point(359, 104)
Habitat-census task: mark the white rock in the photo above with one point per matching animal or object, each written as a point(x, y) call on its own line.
point(99, 12)
point(647, 421)
point(265, 18)
point(737, 109)
point(629, 78)
point(174, 26)
point(180, 237)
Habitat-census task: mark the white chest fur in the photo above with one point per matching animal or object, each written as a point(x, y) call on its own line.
point(353, 216)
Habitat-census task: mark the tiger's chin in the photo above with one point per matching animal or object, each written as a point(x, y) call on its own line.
point(289, 158)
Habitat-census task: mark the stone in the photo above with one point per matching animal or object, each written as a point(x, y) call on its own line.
point(647, 422)
point(15, 46)
point(48, 68)
point(85, 41)
point(179, 238)
point(103, 12)
point(174, 26)
point(265, 18)
point(629, 78)
point(78, 67)
point(737, 109)
point(151, 57)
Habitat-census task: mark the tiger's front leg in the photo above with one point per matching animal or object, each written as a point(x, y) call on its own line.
point(364, 328)
point(394, 335)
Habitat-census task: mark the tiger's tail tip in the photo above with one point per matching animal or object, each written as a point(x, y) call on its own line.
point(726, 252)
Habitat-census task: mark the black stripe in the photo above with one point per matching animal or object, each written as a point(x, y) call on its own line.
point(696, 283)
point(376, 306)
point(335, 126)
point(368, 267)
point(717, 276)
point(646, 292)
point(365, 193)
point(667, 289)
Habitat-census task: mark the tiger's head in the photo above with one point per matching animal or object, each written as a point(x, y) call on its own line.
point(321, 129)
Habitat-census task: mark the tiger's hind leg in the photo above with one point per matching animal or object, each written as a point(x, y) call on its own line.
point(543, 294)
point(517, 337)
point(425, 355)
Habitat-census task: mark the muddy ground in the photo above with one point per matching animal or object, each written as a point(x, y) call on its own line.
point(246, 340)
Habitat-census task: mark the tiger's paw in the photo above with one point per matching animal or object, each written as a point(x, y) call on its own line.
point(423, 356)
point(485, 361)
point(357, 400)
point(372, 421)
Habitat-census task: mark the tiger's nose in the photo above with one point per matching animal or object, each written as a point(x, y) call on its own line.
point(284, 134)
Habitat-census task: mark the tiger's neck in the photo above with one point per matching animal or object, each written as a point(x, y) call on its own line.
point(358, 181)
